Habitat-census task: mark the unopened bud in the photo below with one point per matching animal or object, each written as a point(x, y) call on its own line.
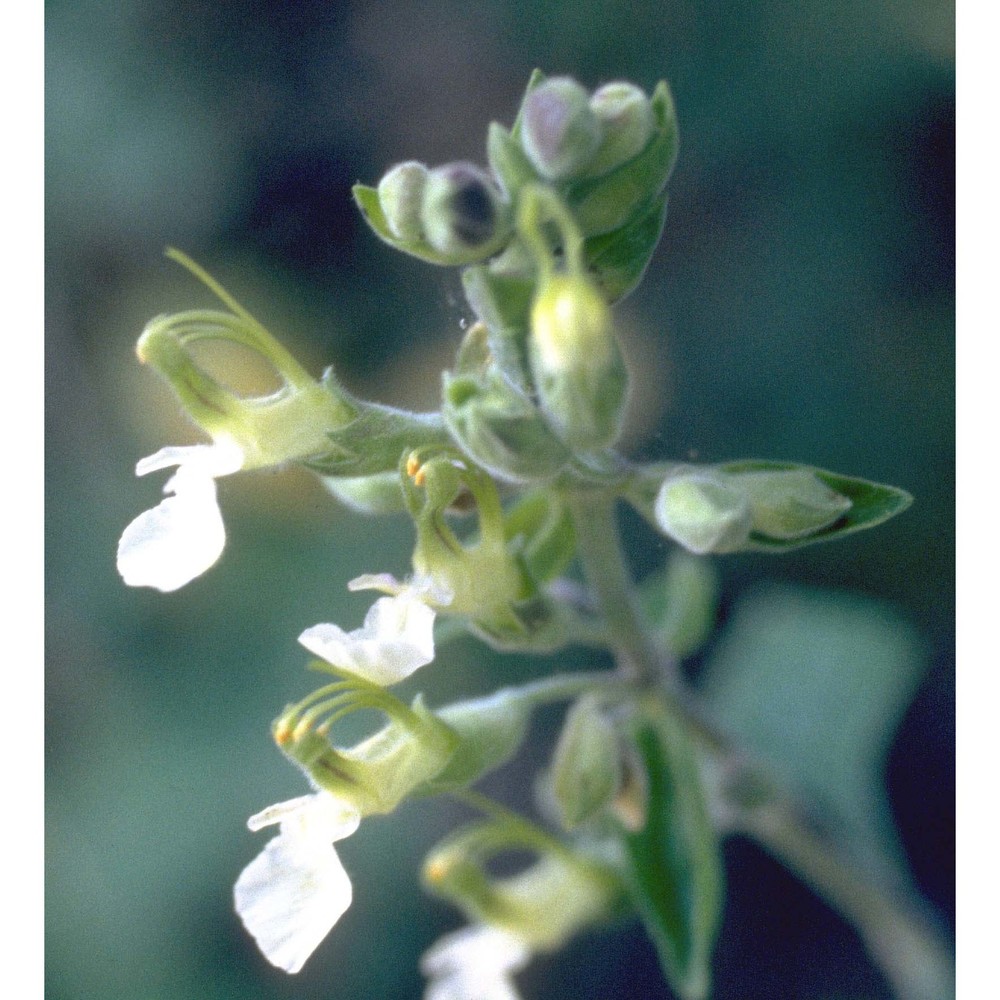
point(586, 766)
point(703, 513)
point(576, 363)
point(499, 427)
point(463, 212)
point(400, 195)
point(791, 503)
point(559, 130)
point(625, 115)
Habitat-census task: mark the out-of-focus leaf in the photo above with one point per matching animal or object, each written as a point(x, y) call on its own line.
point(815, 683)
point(674, 867)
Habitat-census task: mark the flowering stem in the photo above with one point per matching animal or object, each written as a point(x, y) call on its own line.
point(593, 513)
point(907, 948)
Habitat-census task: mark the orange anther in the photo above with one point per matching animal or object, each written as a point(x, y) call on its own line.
point(282, 733)
point(436, 870)
point(412, 464)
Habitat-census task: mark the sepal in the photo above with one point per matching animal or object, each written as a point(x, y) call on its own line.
point(603, 204)
point(290, 424)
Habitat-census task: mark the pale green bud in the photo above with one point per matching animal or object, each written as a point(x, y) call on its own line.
point(791, 503)
point(703, 513)
point(463, 214)
point(586, 767)
point(401, 195)
point(576, 364)
point(626, 120)
point(559, 130)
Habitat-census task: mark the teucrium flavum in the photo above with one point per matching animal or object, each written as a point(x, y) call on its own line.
point(509, 485)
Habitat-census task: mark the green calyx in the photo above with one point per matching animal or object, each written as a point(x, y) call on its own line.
point(378, 773)
point(290, 424)
point(564, 891)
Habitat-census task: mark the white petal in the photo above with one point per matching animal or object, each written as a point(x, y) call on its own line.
point(176, 541)
point(218, 459)
point(422, 587)
point(474, 963)
point(320, 815)
point(290, 896)
point(396, 638)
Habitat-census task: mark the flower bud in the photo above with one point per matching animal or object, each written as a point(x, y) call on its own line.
point(559, 129)
point(400, 194)
point(463, 213)
point(625, 115)
point(791, 503)
point(703, 513)
point(586, 766)
point(576, 363)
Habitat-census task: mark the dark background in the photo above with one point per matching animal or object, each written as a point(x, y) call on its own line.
point(800, 307)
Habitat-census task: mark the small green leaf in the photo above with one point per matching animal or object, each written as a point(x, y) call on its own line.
point(374, 440)
point(871, 504)
point(618, 260)
point(508, 160)
point(675, 870)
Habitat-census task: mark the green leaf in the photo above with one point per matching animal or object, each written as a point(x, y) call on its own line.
point(374, 440)
point(619, 259)
point(675, 871)
point(871, 504)
point(815, 683)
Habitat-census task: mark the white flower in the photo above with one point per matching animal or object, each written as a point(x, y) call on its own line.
point(474, 963)
point(183, 536)
point(396, 638)
point(294, 891)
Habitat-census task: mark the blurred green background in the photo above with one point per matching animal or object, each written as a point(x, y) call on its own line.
point(800, 307)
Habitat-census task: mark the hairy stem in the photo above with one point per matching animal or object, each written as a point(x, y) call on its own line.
point(599, 548)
